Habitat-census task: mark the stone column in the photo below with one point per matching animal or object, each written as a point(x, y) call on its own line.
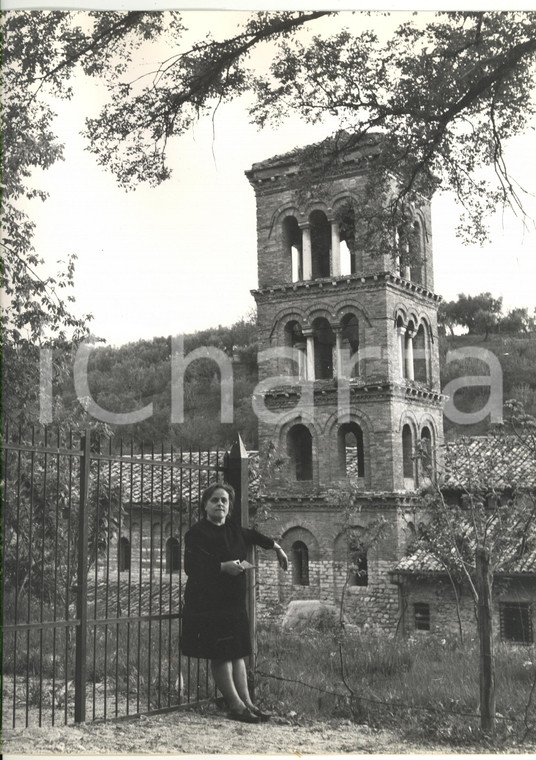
point(335, 249)
point(401, 331)
point(409, 355)
point(310, 370)
point(338, 369)
point(306, 253)
point(302, 360)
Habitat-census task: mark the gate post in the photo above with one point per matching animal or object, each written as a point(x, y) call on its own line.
point(236, 474)
point(80, 668)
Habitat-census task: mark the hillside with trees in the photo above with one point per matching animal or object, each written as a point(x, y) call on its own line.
point(129, 377)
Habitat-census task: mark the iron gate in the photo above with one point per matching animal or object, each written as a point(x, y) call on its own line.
point(92, 558)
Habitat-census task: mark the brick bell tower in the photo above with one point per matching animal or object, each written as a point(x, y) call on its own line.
point(351, 383)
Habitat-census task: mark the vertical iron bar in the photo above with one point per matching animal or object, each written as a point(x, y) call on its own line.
point(17, 580)
point(190, 477)
point(161, 578)
point(140, 582)
point(151, 564)
point(107, 584)
point(42, 592)
point(171, 547)
point(118, 558)
point(131, 554)
point(96, 596)
point(68, 576)
point(56, 563)
point(30, 544)
point(181, 541)
point(5, 528)
point(81, 589)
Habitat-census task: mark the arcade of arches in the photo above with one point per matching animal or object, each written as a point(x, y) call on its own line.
point(323, 247)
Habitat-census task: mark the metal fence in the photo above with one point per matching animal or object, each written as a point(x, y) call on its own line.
point(92, 575)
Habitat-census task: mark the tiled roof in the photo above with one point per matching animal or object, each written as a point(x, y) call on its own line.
point(175, 480)
point(483, 463)
point(490, 461)
point(371, 139)
point(422, 562)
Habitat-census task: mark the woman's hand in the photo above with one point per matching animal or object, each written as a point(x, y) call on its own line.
point(281, 557)
point(232, 567)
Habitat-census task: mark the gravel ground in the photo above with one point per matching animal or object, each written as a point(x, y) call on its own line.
point(208, 731)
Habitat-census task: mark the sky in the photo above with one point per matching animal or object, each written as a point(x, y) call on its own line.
point(182, 257)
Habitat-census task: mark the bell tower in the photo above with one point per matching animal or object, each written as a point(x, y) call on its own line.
point(350, 362)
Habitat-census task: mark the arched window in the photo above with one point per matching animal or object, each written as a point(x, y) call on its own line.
point(300, 452)
point(407, 457)
point(420, 357)
point(350, 449)
point(401, 332)
point(349, 346)
point(173, 555)
point(292, 242)
point(427, 453)
point(324, 342)
point(415, 253)
point(408, 350)
point(320, 244)
point(350, 255)
point(358, 567)
point(294, 339)
point(402, 251)
point(299, 557)
point(124, 554)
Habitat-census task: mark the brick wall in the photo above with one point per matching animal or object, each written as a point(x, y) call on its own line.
point(438, 593)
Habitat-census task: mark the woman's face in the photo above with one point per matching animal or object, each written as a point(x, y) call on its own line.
point(217, 507)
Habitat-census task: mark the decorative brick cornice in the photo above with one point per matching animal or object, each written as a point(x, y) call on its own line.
point(354, 282)
point(327, 390)
point(388, 500)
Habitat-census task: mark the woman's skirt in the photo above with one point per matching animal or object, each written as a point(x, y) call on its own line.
point(215, 635)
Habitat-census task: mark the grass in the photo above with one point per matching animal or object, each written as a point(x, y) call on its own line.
point(425, 687)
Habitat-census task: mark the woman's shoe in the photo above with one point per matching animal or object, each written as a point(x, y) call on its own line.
point(244, 716)
point(261, 714)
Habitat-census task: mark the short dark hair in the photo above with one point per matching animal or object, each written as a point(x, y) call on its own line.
point(207, 493)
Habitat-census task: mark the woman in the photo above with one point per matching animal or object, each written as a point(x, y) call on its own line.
point(215, 623)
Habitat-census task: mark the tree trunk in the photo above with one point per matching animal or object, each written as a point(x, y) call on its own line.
point(485, 635)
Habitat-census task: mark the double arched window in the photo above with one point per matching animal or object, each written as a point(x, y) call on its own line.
point(414, 342)
point(418, 462)
point(323, 350)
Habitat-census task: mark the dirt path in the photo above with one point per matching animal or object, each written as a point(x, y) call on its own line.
point(209, 732)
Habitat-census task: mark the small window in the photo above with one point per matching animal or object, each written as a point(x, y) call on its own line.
point(422, 616)
point(124, 554)
point(516, 622)
point(300, 452)
point(350, 450)
point(299, 554)
point(407, 453)
point(173, 555)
